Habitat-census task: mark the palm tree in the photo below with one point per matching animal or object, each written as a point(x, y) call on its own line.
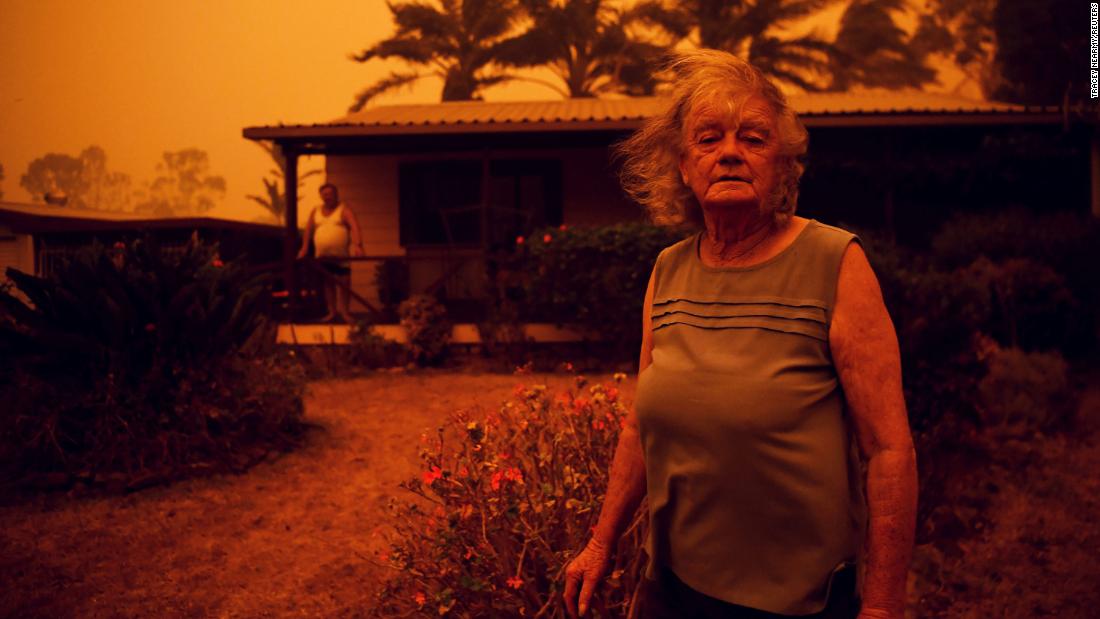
point(872, 50)
point(746, 28)
point(275, 200)
point(591, 46)
point(456, 41)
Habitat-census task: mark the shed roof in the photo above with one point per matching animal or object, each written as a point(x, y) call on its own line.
point(816, 109)
point(37, 218)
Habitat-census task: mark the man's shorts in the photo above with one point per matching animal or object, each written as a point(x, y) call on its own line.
point(338, 269)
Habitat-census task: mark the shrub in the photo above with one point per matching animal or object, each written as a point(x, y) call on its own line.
point(1032, 307)
point(425, 321)
point(1067, 243)
point(391, 277)
point(502, 335)
point(370, 350)
point(1025, 391)
point(592, 278)
point(132, 363)
point(506, 500)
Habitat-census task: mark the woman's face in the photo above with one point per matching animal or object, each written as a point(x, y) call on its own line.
point(731, 159)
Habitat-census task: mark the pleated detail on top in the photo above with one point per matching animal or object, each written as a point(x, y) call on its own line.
point(752, 477)
point(772, 313)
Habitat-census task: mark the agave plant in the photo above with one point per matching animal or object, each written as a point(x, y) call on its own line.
point(122, 359)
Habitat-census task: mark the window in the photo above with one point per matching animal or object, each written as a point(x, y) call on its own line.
point(441, 200)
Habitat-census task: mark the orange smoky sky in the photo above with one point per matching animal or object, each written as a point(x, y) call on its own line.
point(141, 77)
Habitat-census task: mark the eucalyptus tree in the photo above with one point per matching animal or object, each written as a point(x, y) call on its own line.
point(83, 180)
point(457, 41)
point(592, 47)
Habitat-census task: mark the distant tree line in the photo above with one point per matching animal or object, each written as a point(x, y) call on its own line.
point(184, 184)
point(1014, 50)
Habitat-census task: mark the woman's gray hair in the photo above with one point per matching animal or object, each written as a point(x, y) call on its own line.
point(651, 156)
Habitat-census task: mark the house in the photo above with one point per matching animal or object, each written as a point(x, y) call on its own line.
point(441, 186)
point(33, 237)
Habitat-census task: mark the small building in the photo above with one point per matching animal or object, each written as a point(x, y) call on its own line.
point(442, 186)
point(33, 237)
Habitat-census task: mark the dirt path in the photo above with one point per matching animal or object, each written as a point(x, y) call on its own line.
point(294, 537)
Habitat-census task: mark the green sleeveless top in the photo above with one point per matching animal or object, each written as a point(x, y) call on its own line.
point(753, 479)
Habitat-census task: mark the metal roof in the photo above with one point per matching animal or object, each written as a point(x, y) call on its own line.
point(23, 217)
point(816, 109)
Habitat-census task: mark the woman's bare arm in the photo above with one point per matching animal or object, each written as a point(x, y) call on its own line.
point(865, 350)
point(625, 489)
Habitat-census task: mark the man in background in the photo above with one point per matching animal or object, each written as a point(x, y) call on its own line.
point(334, 234)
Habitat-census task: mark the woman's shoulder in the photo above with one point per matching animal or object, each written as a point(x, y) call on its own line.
point(828, 231)
point(680, 250)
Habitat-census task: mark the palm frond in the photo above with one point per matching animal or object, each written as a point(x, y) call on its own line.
point(413, 50)
point(392, 82)
point(654, 13)
point(421, 20)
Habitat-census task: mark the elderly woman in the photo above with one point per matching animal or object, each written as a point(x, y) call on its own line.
point(766, 349)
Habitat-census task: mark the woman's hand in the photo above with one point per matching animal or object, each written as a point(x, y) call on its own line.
point(585, 571)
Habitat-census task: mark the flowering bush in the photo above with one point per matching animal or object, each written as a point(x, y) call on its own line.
point(505, 501)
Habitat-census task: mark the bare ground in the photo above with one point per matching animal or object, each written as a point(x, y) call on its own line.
point(296, 535)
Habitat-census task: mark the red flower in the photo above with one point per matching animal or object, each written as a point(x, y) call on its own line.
point(514, 582)
point(464, 472)
point(420, 598)
point(561, 227)
point(217, 263)
point(150, 327)
point(120, 245)
point(612, 394)
point(511, 474)
point(579, 404)
point(431, 475)
point(546, 238)
point(519, 240)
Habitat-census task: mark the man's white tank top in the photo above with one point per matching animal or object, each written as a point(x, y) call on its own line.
point(330, 233)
